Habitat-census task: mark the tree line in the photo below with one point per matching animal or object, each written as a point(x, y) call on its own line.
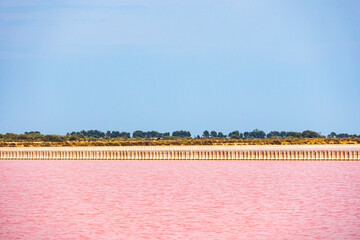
point(96, 134)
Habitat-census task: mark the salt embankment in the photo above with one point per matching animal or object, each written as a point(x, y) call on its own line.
point(253, 152)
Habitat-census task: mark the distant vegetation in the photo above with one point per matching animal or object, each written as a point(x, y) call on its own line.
point(152, 138)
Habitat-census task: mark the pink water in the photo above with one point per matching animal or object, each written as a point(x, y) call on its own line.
point(179, 200)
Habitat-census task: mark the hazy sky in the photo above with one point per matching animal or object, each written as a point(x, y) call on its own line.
point(170, 65)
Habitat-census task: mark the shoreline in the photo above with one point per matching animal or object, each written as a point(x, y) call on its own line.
point(191, 147)
point(349, 152)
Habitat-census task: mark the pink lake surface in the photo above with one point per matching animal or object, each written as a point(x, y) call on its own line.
point(179, 200)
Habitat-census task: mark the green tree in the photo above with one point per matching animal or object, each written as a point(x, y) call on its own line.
point(166, 134)
point(310, 134)
point(295, 134)
point(138, 134)
point(234, 135)
point(181, 134)
point(332, 135)
point(256, 133)
point(284, 134)
point(213, 134)
point(246, 135)
point(206, 134)
point(52, 138)
point(273, 134)
point(221, 135)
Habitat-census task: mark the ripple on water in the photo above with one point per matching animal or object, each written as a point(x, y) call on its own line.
point(179, 200)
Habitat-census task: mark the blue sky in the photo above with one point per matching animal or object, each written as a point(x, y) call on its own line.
point(168, 65)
